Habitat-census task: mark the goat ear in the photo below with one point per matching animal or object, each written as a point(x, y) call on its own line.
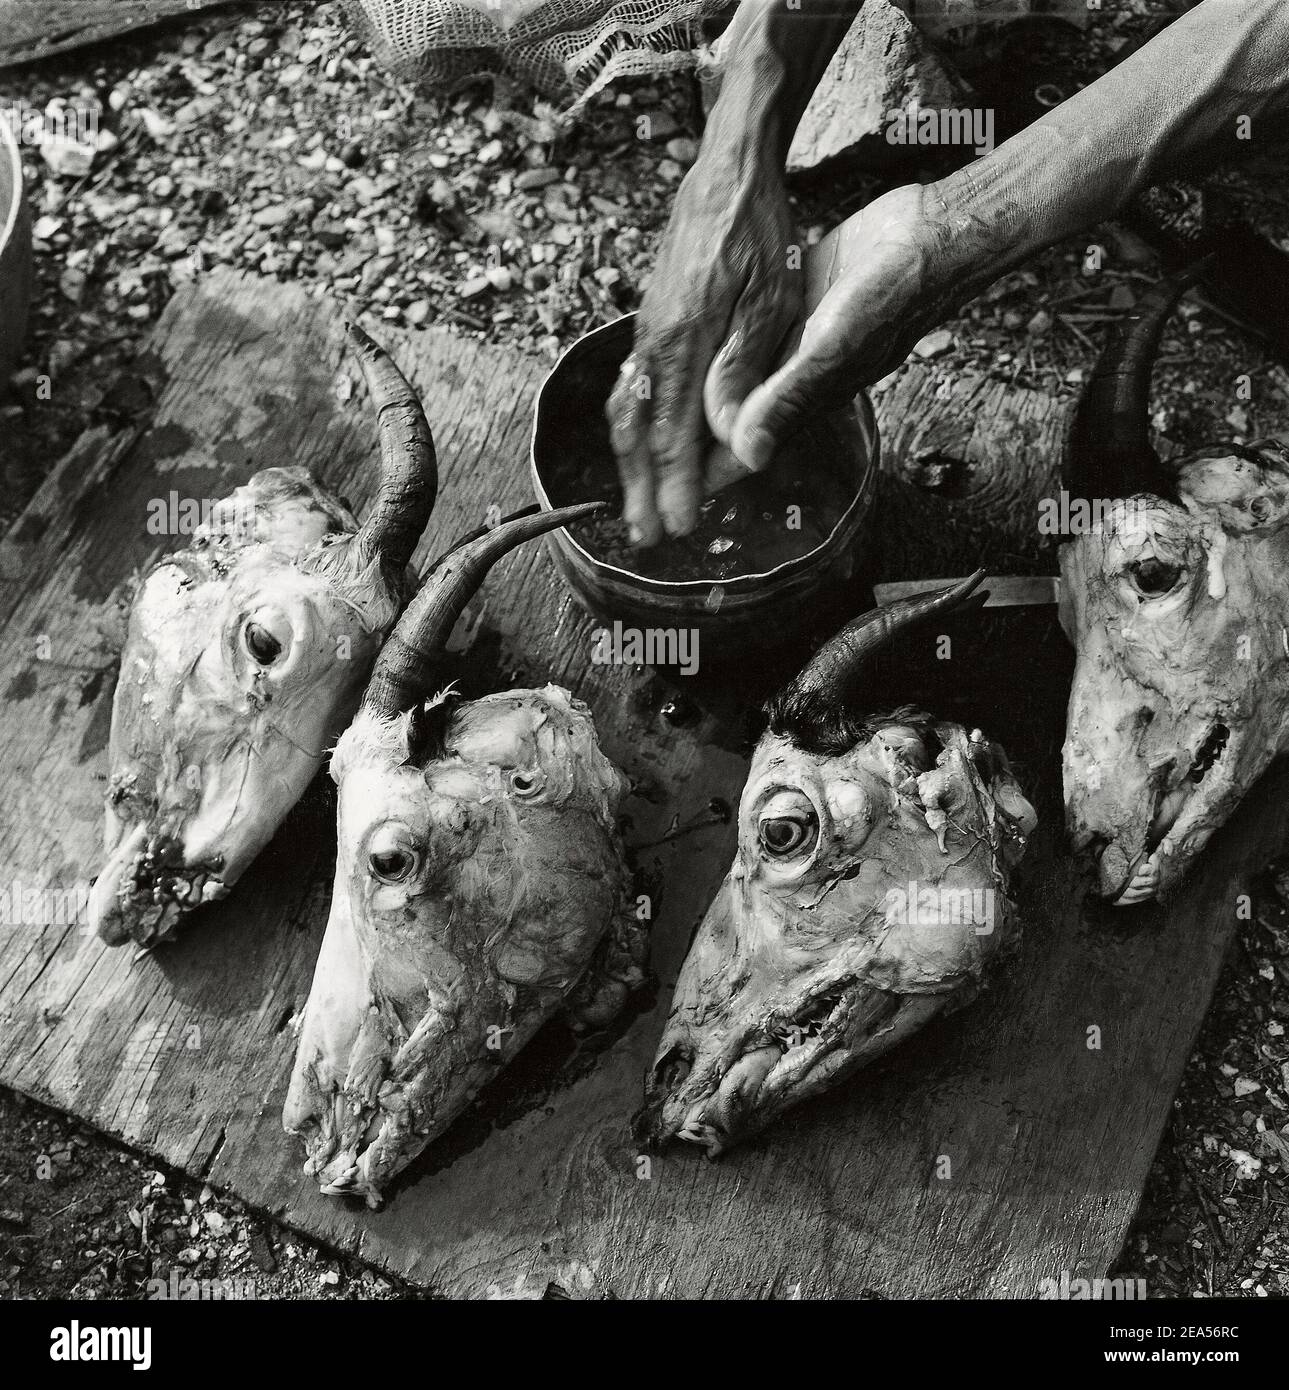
point(426, 726)
point(1246, 485)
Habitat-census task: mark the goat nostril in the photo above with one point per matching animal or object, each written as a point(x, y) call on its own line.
point(674, 1068)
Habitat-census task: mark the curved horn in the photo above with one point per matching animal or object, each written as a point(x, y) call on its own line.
point(409, 478)
point(1109, 454)
point(405, 667)
point(808, 709)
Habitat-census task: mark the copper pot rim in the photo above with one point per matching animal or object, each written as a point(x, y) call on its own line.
point(11, 156)
point(860, 412)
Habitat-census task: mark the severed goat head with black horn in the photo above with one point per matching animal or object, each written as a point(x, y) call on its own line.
point(245, 656)
point(1175, 598)
point(480, 887)
point(868, 895)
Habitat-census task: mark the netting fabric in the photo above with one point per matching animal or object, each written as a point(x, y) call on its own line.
point(568, 49)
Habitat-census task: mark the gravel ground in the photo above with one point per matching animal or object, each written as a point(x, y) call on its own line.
point(264, 138)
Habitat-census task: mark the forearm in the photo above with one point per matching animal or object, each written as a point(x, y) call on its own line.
point(1178, 99)
point(776, 57)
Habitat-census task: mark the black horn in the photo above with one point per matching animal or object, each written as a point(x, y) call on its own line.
point(1109, 453)
point(409, 479)
point(406, 666)
point(814, 710)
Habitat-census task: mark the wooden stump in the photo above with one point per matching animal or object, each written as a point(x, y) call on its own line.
point(1000, 1148)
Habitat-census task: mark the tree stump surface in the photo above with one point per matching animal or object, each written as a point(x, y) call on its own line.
point(1005, 1145)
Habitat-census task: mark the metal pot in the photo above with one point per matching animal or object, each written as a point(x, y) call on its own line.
point(15, 253)
point(748, 612)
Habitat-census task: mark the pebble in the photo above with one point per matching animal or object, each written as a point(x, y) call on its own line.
point(536, 178)
point(934, 344)
point(499, 277)
point(662, 126)
point(683, 150)
point(417, 312)
point(474, 285)
point(1040, 323)
point(272, 216)
point(69, 159)
point(157, 126)
point(163, 186)
point(671, 171)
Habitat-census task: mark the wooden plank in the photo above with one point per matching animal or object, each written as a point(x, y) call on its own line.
point(32, 29)
point(186, 1053)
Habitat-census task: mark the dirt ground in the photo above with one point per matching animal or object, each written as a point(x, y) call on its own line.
point(264, 137)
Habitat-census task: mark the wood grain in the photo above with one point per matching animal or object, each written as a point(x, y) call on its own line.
point(31, 29)
point(186, 1053)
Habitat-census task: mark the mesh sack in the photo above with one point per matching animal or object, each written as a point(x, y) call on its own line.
point(567, 49)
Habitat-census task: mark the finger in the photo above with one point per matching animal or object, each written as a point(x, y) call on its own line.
point(628, 412)
point(775, 410)
point(677, 440)
point(746, 358)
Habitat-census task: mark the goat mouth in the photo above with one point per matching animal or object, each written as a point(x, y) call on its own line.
point(1144, 877)
point(146, 889)
point(780, 1055)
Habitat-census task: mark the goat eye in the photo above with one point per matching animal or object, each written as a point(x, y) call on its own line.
point(391, 856)
point(1154, 576)
point(525, 783)
point(782, 835)
point(788, 824)
point(263, 646)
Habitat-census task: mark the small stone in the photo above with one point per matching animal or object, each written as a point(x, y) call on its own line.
point(490, 153)
point(499, 277)
point(68, 159)
point(536, 178)
point(1246, 1086)
point(1013, 319)
point(476, 284)
point(661, 126)
point(139, 312)
point(157, 126)
point(683, 150)
point(417, 312)
point(1040, 323)
point(332, 235)
point(329, 1277)
point(71, 285)
point(1238, 418)
point(44, 227)
point(671, 171)
point(163, 186)
point(934, 344)
point(363, 189)
point(272, 216)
